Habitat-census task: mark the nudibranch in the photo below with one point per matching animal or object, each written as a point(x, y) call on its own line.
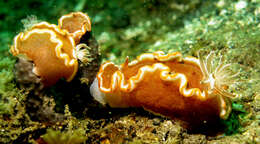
point(76, 23)
point(187, 88)
point(59, 51)
point(51, 49)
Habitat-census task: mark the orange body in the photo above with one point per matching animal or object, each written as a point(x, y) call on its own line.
point(168, 85)
point(51, 50)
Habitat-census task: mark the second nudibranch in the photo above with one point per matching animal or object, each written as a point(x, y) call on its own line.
point(186, 88)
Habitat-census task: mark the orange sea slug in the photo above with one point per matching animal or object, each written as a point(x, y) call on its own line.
point(187, 88)
point(55, 49)
point(51, 49)
point(76, 23)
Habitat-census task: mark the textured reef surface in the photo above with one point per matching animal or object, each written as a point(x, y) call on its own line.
point(66, 112)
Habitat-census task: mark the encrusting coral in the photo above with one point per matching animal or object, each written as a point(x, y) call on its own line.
point(185, 88)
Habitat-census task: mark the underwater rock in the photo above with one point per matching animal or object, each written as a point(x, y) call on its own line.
point(25, 76)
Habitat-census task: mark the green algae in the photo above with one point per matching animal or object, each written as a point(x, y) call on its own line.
point(57, 137)
point(236, 119)
point(6, 86)
point(129, 29)
point(12, 111)
point(74, 132)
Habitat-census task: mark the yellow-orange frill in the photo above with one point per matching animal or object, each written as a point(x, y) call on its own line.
point(76, 23)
